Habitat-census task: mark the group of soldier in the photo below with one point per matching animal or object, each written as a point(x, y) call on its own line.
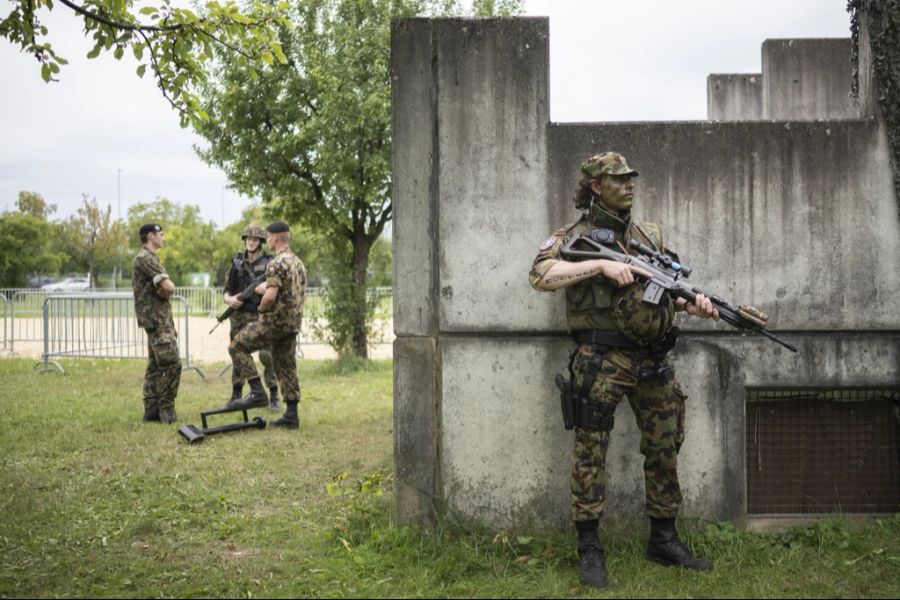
point(620, 354)
point(267, 319)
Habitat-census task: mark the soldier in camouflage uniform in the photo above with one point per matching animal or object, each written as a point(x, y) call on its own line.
point(246, 267)
point(152, 289)
point(621, 354)
point(281, 314)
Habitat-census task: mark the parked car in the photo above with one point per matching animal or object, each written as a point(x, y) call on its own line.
point(39, 281)
point(69, 284)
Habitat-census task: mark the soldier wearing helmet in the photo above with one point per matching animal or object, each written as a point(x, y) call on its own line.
point(621, 354)
point(247, 266)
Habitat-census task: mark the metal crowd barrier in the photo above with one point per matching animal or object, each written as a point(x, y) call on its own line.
point(23, 309)
point(314, 317)
point(24, 315)
point(102, 325)
point(202, 300)
point(4, 303)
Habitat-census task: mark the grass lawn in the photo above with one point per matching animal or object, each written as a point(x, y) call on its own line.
point(96, 503)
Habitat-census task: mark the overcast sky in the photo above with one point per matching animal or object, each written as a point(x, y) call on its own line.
point(647, 60)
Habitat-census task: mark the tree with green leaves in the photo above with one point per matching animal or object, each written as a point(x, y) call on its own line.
point(312, 137)
point(91, 239)
point(190, 241)
point(32, 203)
point(26, 246)
point(175, 43)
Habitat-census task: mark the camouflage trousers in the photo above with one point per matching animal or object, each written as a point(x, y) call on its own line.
point(657, 402)
point(163, 374)
point(238, 321)
point(258, 335)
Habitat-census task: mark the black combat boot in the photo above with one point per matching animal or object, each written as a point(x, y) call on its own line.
point(255, 399)
point(237, 391)
point(668, 550)
point(151, 414)
point(290, 419)
point(167, 415)
point(590, 553)
point(274, 404)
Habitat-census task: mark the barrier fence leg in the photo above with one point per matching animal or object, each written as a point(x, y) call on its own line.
point(187, 344)
point(44, 365)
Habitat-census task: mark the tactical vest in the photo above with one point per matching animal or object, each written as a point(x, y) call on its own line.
point(248, 272)
point(589, 303)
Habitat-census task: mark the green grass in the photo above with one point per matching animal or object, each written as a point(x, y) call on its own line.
point(96, 503)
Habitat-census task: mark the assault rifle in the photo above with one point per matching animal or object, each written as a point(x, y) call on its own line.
point(243, 297)
point(666, 275)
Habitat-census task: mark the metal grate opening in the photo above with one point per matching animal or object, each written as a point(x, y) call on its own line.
point(823, 451)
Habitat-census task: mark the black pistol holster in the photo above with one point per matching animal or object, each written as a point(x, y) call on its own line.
point(567, 400)
point(577, 408)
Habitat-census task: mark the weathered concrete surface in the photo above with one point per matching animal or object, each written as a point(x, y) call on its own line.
point(798, 218)
point(492, 81)
point(417, 393)
point(415, 156)
point(734, 97)
point(503, 449)
point(807, 79)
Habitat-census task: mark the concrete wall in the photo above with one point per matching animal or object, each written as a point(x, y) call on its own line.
point(734, 97)
point(805, 79)
point(797, 218)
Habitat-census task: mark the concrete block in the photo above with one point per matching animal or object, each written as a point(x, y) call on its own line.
point(505, 456)
point(734, 97)
point(807, 79)
point(414, 177)
point(417, 372)
point(492, 77)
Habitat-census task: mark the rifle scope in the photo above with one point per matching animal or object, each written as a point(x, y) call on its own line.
point(663, 259)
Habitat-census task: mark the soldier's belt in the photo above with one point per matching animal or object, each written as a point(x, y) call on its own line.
point(613, 339)
point(616, 340)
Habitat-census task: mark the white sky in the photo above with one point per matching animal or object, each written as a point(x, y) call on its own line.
point(73, 137)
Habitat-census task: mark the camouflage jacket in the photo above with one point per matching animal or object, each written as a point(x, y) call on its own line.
point(589, 302)
point(288, 274)
point(153, 312)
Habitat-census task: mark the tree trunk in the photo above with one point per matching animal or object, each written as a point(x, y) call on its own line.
point(361, 247)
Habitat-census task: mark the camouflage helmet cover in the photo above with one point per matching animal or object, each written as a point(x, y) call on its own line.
point(255, 231)
point(606, 163)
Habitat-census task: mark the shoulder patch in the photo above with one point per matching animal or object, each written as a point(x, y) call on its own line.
point(548, 243)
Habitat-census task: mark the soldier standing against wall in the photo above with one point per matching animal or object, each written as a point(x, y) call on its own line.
point(152, 289)
point(281, 314)
point(622, 345)
point(246, 267)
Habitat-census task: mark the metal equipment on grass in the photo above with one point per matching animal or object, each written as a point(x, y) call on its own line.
point(192, 434)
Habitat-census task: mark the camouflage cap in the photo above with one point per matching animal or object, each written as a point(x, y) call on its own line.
point(255, 231)
point(606, 163)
